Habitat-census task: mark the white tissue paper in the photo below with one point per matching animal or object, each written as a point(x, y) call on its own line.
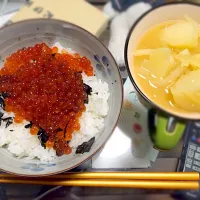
point(120, 27)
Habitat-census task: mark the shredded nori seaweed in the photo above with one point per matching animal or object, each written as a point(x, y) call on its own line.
point(8, 123)
point(28, 125)
point(2, 97)
point(43, 137)
point(85, 147)
point(8, 120)
point(88, 91)
point(1, 115)
point(4, 94)
point(2, 103)
point(86, 100)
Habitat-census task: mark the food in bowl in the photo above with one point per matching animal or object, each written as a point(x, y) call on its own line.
point(167, 65)
point(51, 103)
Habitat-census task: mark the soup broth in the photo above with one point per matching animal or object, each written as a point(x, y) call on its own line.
point(156, 88)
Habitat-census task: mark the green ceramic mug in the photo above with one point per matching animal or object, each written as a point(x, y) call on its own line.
point(166, 127)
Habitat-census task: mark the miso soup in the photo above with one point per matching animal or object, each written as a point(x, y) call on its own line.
point(166, 66)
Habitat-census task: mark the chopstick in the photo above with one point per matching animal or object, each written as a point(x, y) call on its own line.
point(145, 180)
point(112, 183)
point(169, 176)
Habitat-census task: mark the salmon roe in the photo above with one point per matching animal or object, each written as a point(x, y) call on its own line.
point(46, 88)
point(34, 130)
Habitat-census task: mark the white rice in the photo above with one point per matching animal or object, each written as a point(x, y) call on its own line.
point(92, 120)
point(18, 140)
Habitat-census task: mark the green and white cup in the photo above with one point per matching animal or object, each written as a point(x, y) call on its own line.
point(166, 128)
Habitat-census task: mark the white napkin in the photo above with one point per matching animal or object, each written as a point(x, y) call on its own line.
point(6, 18)
point(130, 145)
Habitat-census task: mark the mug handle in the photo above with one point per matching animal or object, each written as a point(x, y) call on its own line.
point(166, 132)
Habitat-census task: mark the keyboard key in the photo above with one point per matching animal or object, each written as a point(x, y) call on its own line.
point(191, 153)
point(192, 147)
point(188, 160)
point(194, 130)
point(196, 168)
point(197, 124)
point(188, 165)
point(194, 138)
point(197, 156)
point(196, 163)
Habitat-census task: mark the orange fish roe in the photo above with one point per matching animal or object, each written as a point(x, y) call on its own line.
point(34, 130)
point(55, 50)
point(18, 119)
point(46, 88)
point(49, 144)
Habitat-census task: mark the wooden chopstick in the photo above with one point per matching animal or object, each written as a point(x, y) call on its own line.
point(169, 176)
point(111, 183)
